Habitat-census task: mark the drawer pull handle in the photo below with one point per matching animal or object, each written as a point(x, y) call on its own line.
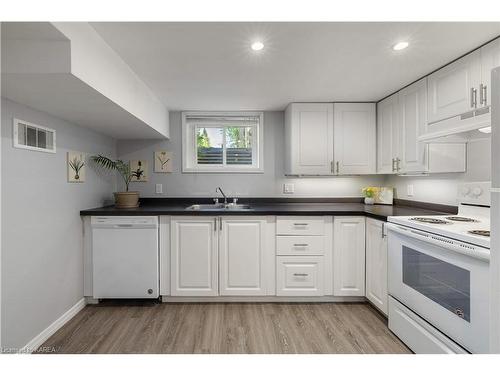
point(300, 245)
point(300, 224)
point(301, 274)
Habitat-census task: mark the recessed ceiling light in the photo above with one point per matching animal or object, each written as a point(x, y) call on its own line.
point(400, 45)
point(257, 46)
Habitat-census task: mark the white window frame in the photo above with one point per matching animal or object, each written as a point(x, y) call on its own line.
point(15, 136)
point(189, 147)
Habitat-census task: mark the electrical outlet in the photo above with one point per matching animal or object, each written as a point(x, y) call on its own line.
point(159, 189)
point(288, 188)
point(409, 190)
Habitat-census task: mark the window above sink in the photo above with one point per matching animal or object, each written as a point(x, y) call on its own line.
point(222, 142)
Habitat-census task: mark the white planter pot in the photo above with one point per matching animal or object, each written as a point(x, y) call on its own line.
point(369, 200)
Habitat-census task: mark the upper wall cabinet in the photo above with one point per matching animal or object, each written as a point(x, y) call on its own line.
point(490, 58)
point(452, 89)
point(324, 139)
point(412, 112)
point(354, 138)
point(464, 85)
point(401, 120)
point(309, 139)
point(387, 135)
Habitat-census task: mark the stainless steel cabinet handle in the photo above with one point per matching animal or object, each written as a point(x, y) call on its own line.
point(337, 166)
point(300, 245)
point(393, 161)
point(398, 160)
point(383, 229)
point(301, 274)
point(484, 94)
point(220, 223)
point(473, 97)
point(215, 224)
point(331, 167)
point(300, 224)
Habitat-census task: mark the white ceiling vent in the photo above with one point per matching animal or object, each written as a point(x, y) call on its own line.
point(33, 137)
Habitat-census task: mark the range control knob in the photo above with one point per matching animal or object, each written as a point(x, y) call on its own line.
point(465, 190)
point(477, 191)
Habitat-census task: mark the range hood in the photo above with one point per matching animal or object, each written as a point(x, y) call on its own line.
point(454, 129)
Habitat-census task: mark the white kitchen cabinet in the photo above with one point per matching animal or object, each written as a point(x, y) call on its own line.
point(354, 138)
point(387, 135)
point(194, 256)
point(490, 59)
point(453, 89)
point(299, 276)
point(242, 250)
point(376, 264)
point(412, 112)
point(309, 139)
point(349, 256)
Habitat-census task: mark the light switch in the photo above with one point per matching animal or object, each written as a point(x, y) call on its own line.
point(159, 188)
point(288, 188)
point(409, 190)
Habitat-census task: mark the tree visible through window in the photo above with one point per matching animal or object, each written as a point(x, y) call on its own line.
point(228, 142)
point(235, 140)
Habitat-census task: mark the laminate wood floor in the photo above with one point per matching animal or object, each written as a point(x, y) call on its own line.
point(145, 327)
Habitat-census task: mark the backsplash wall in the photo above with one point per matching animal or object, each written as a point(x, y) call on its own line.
point(267, 184)
point(442, 188)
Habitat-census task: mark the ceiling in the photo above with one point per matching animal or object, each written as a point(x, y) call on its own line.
point(210, 66)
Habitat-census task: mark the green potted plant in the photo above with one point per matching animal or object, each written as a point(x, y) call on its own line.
point(123, 199)
point(369, 192)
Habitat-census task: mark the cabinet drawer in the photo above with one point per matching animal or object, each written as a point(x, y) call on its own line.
point(300, 245)
point(300, 225)
point(299, 276)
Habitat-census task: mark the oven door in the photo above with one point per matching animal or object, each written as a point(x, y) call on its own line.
point(445, 287)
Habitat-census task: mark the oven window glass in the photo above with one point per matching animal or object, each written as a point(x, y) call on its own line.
point(442, 282)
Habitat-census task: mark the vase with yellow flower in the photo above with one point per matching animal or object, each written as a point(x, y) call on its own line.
point(369, 193)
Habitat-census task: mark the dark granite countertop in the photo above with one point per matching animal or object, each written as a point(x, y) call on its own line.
point(277, 206)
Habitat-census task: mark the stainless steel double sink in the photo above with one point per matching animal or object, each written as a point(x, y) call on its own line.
point(219, 207)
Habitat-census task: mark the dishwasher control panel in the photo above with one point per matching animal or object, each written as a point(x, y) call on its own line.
point(107, 221)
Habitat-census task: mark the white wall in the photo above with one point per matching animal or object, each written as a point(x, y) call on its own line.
point(42, 259)
point(267, 184)
point(442, 188)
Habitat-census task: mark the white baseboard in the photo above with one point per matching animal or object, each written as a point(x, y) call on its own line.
point(250, 299)
point(38, 340)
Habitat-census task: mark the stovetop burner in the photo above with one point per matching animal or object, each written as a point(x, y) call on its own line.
point(429, 220)
point(484, 233)
point(462, 219)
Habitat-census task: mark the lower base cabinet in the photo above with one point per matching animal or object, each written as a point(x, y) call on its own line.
point(242, 252)
point(349, 256)
point(376, 264)
point(194, 256)
point(300, 276)
point(226, 256)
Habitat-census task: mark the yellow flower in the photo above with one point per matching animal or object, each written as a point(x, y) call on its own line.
point(370, 191)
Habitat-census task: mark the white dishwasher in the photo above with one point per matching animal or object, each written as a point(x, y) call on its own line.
point(125, 256)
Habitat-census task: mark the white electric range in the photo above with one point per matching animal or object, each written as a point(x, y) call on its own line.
point(439, 276)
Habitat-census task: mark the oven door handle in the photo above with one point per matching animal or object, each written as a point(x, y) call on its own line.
point(447, 243)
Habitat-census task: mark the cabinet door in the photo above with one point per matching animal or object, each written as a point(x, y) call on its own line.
point(387, 134)
point(376, 264)
point(242, 250)
point(450, 88)
point(349, 256)
point(194, 256)
point(309, 128)
point(490, 59)
point(354, 138)
point(413, 122)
